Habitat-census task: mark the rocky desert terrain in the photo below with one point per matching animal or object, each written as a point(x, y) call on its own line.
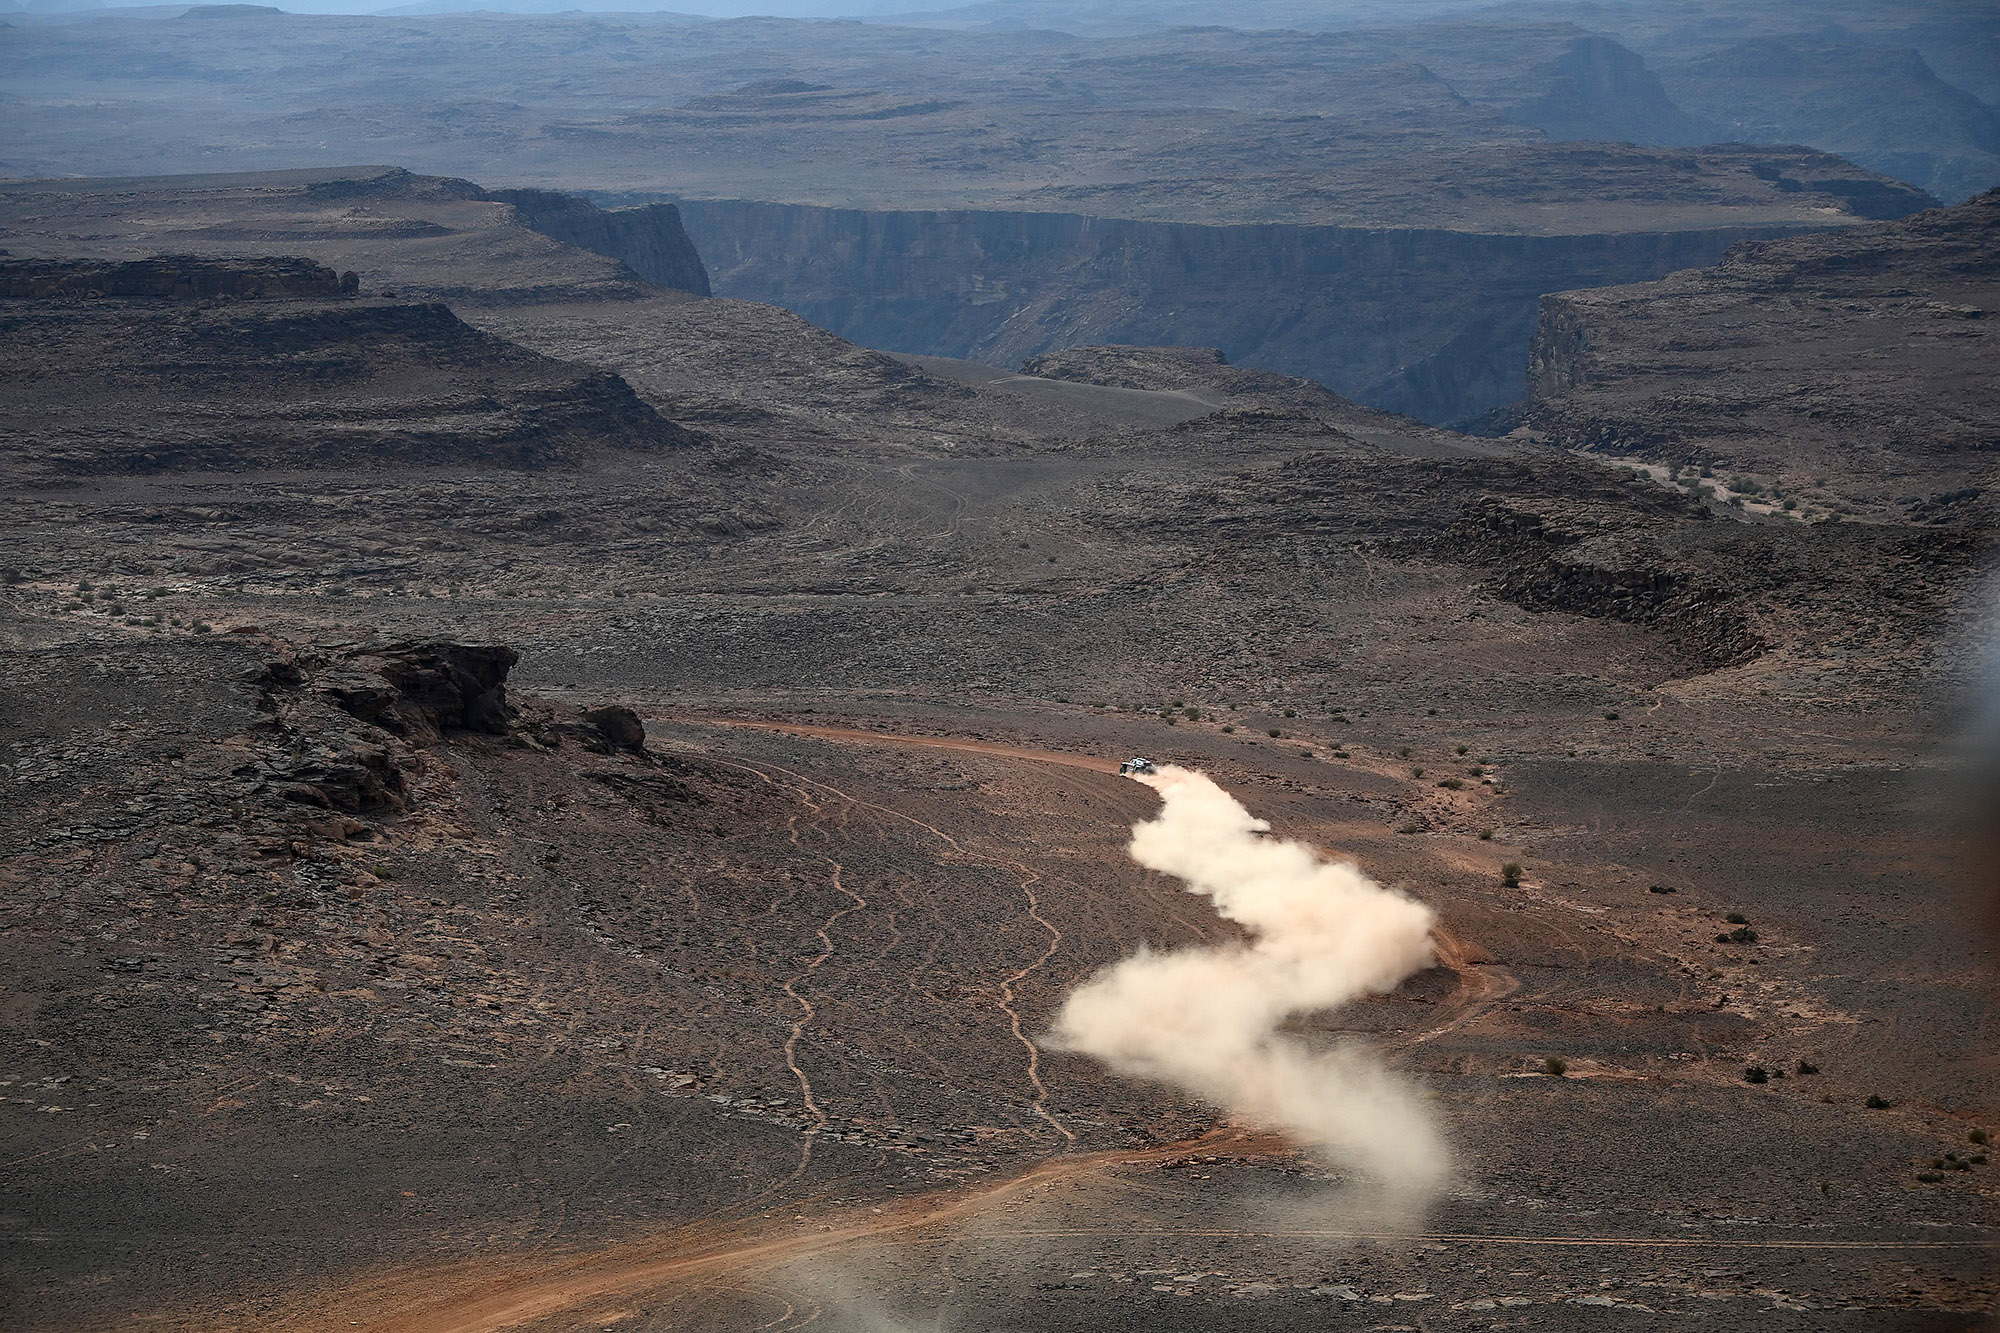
point(1372, 197)
point(537, 799)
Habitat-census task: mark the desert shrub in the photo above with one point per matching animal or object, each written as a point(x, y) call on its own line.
point(1929, 1177)
point(1610, 715)
point(1807, 1067)
point(1877, 1102)
point(1403, 753)
point(1661, 888)
point(1977, 1136)
point(1452, 784)
point(203, 627)
point(1459, 750)
point(1486, 835)
point(1291, 712)
point(1228, 730)
point(1191, 714)
point(1737, 919)
point(1756, 1074)
point(1273, 733)
point(1411, 827)
point(10, 576)
point(1742, 935)
point(1430, 712)
point(1510, 874)
point(1977, 1159)
point(1555, 1066)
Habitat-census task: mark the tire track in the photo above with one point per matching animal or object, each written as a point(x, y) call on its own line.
point(808, 1012)
point(1007, 993)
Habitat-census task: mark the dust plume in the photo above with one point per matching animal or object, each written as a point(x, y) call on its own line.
point(1208, 1020)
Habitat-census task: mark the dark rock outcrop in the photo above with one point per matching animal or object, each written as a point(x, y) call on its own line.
point(428, 689)
point(168, 277)
point(1539, 563)
point(346, 732)
point(618, 726)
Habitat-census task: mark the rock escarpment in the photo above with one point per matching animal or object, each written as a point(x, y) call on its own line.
point(171, 277)
point(648, 238)
point(321, 382)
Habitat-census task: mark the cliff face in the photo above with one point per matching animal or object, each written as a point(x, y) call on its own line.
point(1849, 372)
point(648, 239)
point(1435, 324)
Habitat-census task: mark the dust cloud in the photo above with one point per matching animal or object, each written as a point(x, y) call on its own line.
point(1208, 1020)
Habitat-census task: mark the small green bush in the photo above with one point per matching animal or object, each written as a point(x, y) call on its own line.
point(1876, 1102)
point(1737, 919)
point(1416, 772)
point(1227, 730)
point(1929, 1177)
point(1555, 1066)
point(1291, 712)
point(1273, 733)
point(1807, 1067)
point(1756, 1074)
point(1452, 784)
point(1460, 750)
point(1610, 715)
point(1510, 874)
point(1977, 1136)
point(1661, 888)
point(1486, 835)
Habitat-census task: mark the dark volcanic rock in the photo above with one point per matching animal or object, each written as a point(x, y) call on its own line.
point(434, 688)
point(619, 726)
point(168, 277)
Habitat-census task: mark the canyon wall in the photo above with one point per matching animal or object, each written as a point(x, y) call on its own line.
point(647, 239)
point(1432, 323)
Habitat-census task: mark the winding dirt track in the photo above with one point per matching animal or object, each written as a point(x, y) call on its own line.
point(487, 1296)
point(1067, 760)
